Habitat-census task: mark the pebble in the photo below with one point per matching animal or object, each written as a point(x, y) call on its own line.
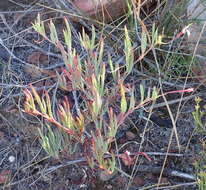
point(11, 159)
point(130, 135)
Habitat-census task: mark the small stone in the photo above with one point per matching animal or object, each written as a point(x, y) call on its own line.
point(130, 135)
point(11, 159)
point(104, 10)
point(164, 180)
point(138, 181)
point(109, 186)
point(121, 181)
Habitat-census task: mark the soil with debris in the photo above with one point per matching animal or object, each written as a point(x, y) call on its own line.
point(26, 58)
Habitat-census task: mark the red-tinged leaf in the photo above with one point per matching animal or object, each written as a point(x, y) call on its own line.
point(49, 107)
point(80, 122)
point(120, 118)
point(68, 131)
point(36, 112)
point(66, 104)
point(52, 120)
point(4, 176)
point(110, 113)
point(27, 93)
point(32, 112)
point(88, 80)
point(126, 158)
point(145, 155)
point(75, 61)
point(68, 73)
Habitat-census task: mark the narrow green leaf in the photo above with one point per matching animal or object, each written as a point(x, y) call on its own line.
point(101, 50)
point(143, 42)
point(132, 100)
point(154, 93)
point(53, 33)
point(37, 98)
point(38, 26)
point(148, 93)
point(48, 102)
point(129, 54)
point(141, 92)
point(93, 38)
point(123, 99)
point(154, 37)
point(112, 67)
point(44, 106)
point(113, 127)
point(102, 80)
point(68, 36)
point(154, 34)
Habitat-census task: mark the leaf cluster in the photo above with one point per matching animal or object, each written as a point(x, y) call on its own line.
point(96, 118)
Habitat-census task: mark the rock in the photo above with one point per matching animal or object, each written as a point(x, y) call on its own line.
point(102, 10)
point(138, 181)
point(130, 135)
point(38, 58)
point(107, 10)
point(164, 180)
point(196, 10)
point(121, 181)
